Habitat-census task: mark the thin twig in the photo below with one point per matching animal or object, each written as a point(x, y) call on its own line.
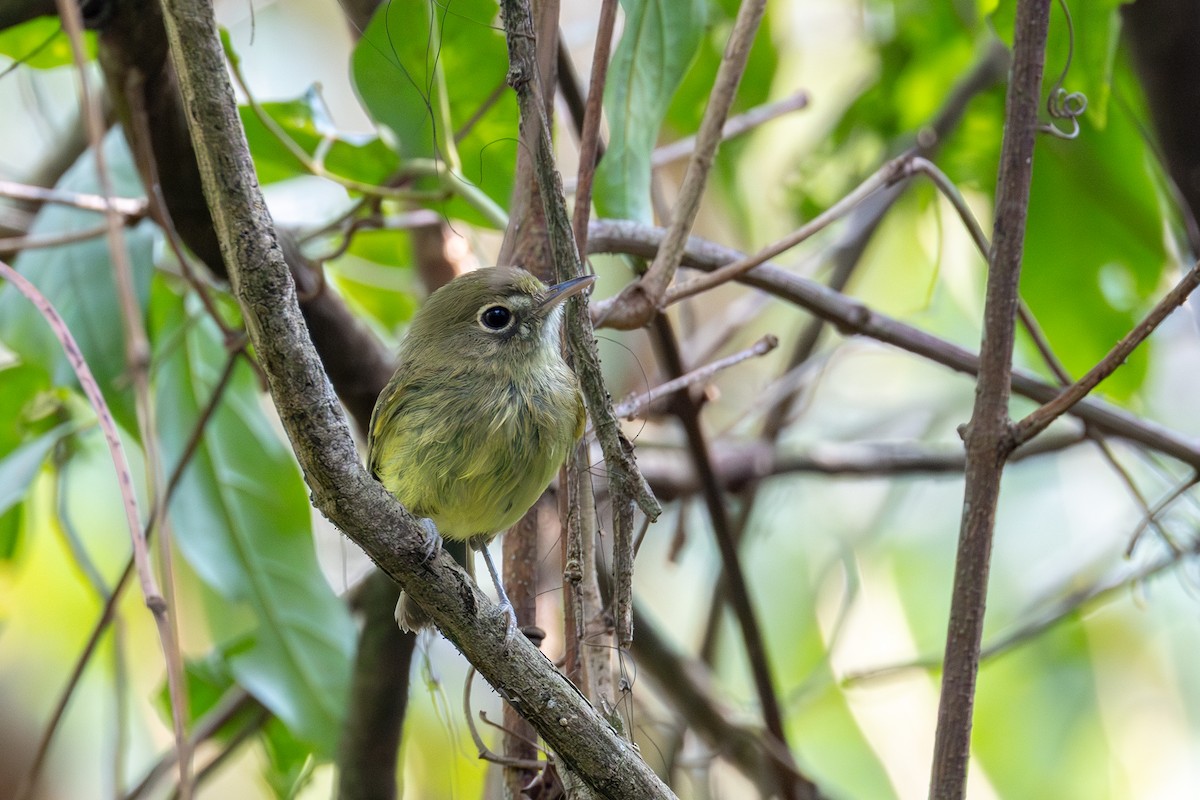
point(885, 176)
point(790, 784)
point(108, 612)
point(120, 465)
point(16, 244)
point(137, 359)
point(589, 137)
point(481, 749)
point(740, 465)
point(854, 317)
point(1071, 602)
point(128, 207)
point(734, 127)
point(1029, 322)
point(1039, 419)
point(634, 406)
point(1151, 517)
point(235, 701)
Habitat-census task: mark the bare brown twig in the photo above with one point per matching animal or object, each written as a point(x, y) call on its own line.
point(128, 207)
point(734, 127)
point(589, 139)
point(635, 405)
point(791, 784)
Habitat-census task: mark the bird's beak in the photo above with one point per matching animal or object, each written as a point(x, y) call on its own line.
point(561, 291)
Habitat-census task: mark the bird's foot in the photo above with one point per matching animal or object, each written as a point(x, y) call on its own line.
point(433, 544)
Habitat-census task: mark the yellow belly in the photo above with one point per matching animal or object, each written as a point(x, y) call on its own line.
point(474, 462)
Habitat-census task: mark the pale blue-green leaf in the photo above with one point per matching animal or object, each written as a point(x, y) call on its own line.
point(241, 518)
point(78, 280)
point(657, 45)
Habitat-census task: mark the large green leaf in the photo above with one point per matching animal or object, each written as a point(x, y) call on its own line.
point(78, 280)
point(425, 72)
point(364, 159)
point(241, 518)
point(657, 45)
point(1094, 251)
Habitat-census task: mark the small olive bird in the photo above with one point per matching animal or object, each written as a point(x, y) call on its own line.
point(481, 412)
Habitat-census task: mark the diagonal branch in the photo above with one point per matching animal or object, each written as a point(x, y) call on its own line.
point(1039, 419)
point(320, 436)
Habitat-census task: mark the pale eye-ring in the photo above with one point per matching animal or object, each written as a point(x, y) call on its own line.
point(495, 318)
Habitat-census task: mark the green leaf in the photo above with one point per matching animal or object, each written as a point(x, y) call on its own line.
point(18, 468)
point(289, 761)
point(78, 280)
point(1094, 250)
point(208, 681)
point(41, 43)
point(242, 520)
point(437, 85)
point(363, 159)
point(21, 387)
point(657, 46)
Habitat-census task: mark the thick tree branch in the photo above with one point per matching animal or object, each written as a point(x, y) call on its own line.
point(988, 437)
point(312, 417)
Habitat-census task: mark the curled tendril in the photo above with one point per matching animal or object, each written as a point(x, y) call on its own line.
point(1061, 104)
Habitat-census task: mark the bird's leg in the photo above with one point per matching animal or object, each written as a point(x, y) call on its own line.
point(506, 605)
point(433, 545)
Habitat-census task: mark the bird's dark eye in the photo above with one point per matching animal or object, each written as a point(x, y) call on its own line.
point(495, 318)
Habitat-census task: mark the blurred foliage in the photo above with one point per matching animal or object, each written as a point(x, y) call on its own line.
point(849, 574)
point(41, 44)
